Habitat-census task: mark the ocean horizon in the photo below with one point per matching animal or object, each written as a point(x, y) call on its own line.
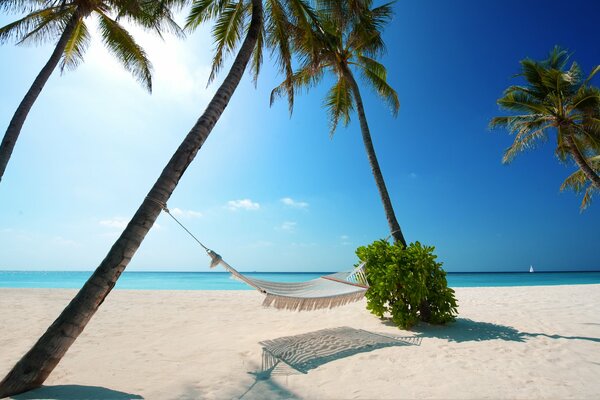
point(190, 280)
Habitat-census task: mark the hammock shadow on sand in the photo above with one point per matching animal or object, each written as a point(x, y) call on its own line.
point(467, 330)
point(301, 353)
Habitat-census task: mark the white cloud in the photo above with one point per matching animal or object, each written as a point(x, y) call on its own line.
point(413, 175)
point(117, 222)
point(288, 226)
point(178, 212)
point(243, 204)
point(288, 201)
point(345, 240)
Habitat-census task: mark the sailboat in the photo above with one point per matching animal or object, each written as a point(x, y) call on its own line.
point(531, 268)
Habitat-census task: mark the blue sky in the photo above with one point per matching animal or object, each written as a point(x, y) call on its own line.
point(270, 192)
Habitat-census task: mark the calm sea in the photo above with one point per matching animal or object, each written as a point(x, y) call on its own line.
point(223, 281)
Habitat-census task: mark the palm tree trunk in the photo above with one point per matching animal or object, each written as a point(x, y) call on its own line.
point(18, 119)
point(589, 173)
point(35, 366)
point(366, 135)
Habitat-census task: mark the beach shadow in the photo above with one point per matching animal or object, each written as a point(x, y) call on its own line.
point(75, 392)
point(264, 387)
point(301, 353)
point(467, 330)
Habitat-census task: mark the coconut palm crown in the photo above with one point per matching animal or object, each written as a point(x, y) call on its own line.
point(346, 36)
point(230, 22)
point(558, 100)
point(48, 20)
point(64, 21)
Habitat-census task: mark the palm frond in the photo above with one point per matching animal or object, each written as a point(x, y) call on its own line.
point(339, 102)
point(226, 33)
point(278, 27)
point(521, 101)
point(592, 74)
point(158, 16)
point(257, 56)
point(557, 58)
point(19, 6)
point(76, 47)
point(37, 27)
point(578, 182)
point(304, 78)
point(205, 10)
point(525, 140)
point(376, 74)
point(122, 45)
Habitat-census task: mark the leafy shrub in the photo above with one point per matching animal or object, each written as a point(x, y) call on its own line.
point(407, 283)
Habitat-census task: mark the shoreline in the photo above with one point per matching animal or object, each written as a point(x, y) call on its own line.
point(535, 342)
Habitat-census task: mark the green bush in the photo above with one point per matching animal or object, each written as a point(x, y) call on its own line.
point(407, 284)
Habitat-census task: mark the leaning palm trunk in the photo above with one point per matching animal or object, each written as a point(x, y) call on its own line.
point(587, 170)
point(18, 119)
point(366, 135)
point(31, 371)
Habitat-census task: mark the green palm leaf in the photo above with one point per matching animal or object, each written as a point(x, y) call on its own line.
point(227, 32)
point(339, 103)
point(376, 74)
point(76, 46)
point(122, 45)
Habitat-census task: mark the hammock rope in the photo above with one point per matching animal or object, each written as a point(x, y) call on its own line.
point(325, 292)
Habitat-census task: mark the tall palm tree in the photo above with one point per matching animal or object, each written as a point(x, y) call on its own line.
point(38, 363)
point(347, 35)
point(64, 20)
point(554, 99)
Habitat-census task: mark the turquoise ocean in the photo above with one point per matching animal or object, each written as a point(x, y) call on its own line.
point(223, 281)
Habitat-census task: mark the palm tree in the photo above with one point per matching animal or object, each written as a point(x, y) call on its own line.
point(347, 35)
point(38, 363)
point(577, 181)
point(65, 19)
point(554, 99)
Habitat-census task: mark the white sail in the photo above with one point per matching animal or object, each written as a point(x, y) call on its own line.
point(531, 268)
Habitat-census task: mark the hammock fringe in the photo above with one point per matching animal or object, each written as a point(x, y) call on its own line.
point(309, 304)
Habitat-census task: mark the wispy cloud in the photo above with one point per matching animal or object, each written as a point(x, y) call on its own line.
point(288, 226)
point(413, 175)
point(288, 201)
point(178, 212)
point(345, 240)
point(116, 222)
point(244, 204)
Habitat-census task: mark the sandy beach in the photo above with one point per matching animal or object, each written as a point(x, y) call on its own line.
point(508, 343)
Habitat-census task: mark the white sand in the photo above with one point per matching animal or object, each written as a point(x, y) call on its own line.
point(509, 343)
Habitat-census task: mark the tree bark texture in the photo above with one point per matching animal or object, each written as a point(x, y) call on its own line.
point(16, 123)
point(35, 366)
point(366, 136)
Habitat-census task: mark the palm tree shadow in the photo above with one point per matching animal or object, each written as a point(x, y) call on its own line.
point(75, 392)
point(264, 387)
point(467, 330)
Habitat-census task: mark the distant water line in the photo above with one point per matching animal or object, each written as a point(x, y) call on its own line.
point(132, 280)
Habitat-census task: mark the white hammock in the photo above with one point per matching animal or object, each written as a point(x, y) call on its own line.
point(325, 292)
